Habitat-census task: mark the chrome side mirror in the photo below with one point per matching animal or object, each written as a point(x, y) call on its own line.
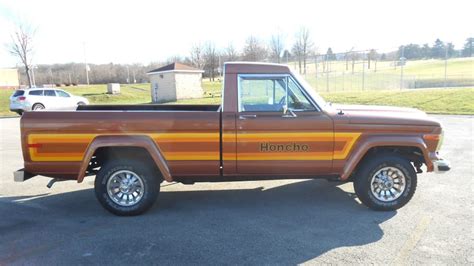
point(288, 112)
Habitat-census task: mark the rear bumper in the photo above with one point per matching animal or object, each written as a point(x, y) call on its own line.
point(15, 107)
point(441, 166)
point(21, 175)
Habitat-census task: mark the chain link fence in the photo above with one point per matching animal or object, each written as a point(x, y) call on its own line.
point(367, 70)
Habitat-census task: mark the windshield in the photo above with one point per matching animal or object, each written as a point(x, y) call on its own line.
point(310, 90)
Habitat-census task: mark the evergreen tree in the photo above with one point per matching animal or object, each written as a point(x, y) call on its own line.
point(438, 49)
point(331, 56)
point(467, 50)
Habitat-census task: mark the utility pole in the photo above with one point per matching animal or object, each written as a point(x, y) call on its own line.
point(446, 67)
point(402, 63)
point(33, 75)
point(128, 74)
point(327, 72)
point(85, 64)
point(363, 72)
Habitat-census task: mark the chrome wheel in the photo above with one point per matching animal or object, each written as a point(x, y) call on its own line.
point(388, 184)
point(38, 107)
point(125, 188)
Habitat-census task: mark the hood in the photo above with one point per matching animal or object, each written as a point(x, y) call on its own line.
point(385, 115)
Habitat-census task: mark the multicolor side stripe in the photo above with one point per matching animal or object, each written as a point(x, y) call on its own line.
point(198, 146)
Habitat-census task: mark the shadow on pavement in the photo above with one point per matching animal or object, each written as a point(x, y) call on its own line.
point(288, 224)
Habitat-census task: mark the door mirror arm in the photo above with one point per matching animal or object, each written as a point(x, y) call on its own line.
point(288, 112)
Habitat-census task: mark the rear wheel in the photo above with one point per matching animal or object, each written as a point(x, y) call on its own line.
point(127, 187)
point(385, 182)
point(37, 107)
point(81, 103)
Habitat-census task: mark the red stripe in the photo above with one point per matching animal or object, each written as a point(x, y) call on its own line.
point(35, 145)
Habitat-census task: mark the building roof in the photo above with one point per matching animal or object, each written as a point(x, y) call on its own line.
point(175, 67)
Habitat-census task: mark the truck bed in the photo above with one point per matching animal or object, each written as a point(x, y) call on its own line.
point(54, 143)
point(150, 107)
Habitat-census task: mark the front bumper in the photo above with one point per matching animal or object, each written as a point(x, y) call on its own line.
point(21, 175)
point(441, 166)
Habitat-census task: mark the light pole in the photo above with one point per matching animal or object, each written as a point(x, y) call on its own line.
point(446, 66)
point(128, 74)
point(85, 64)
point(33, 75)
point(402, 64)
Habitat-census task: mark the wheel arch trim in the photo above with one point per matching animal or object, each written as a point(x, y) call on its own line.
point(384, 141)
point(138, 141)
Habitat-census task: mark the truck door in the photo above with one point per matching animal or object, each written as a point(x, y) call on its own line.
point(280, 130)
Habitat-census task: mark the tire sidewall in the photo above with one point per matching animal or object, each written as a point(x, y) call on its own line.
point(36, 105)
point(400, 200)
point(363, 183)
point(150, 184)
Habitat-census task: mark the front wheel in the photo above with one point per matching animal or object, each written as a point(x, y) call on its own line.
point(385, 182)
point(126, 188)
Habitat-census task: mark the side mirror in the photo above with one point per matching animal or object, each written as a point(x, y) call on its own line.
point(288, 112)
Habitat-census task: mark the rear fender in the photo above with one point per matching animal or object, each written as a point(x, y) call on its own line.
point(384, 141)
point(138, 141)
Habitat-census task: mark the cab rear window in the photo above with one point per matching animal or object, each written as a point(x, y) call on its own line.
point(18, 93)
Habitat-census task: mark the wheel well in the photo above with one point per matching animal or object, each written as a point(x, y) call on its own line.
point(412, 154)
point(101, 155)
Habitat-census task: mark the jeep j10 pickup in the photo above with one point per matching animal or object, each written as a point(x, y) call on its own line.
point(271, 125)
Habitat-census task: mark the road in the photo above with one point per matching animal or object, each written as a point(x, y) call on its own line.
point(264, 222)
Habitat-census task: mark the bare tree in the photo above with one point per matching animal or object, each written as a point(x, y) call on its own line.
point(210, 59)
point(197, 56)
point(371, 56)
point(298, 52)
point(303, 46)
point(254, 50)
point(230, 53)
point(276, 47)
point(22, 46)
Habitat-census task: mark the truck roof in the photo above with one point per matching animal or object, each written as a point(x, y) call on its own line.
point(255, 68)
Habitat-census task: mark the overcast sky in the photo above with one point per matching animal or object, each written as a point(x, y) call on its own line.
point(141, 31)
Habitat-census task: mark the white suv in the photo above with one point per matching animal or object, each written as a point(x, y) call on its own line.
point(43, 98)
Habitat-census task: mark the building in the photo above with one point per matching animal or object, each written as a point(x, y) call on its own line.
point(9, 78)
point(174, 82)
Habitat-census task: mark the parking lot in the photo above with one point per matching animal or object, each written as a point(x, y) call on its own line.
point(264, 222)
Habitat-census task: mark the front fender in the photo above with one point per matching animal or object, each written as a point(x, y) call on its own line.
point(139, 141)
point(384, 141)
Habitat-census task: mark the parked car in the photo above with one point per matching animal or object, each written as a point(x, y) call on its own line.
point(44, 99)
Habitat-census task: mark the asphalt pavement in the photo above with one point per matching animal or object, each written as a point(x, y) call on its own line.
point(261, 222)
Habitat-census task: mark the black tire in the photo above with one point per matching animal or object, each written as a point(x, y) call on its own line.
point(37, 106)
point(151, 186)
point(81, 103)
point(370, 167)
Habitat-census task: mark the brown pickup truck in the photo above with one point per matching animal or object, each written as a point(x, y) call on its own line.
point(271, 125)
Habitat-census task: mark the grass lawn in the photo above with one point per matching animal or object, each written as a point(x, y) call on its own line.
point(441, 101)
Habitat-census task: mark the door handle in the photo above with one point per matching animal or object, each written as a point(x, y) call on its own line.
point(243, 117)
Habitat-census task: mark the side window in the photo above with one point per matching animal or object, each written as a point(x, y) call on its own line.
point(62, 94)
point(297, 101)
point(262, 94)
point(36, 93)
point(49, 93)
